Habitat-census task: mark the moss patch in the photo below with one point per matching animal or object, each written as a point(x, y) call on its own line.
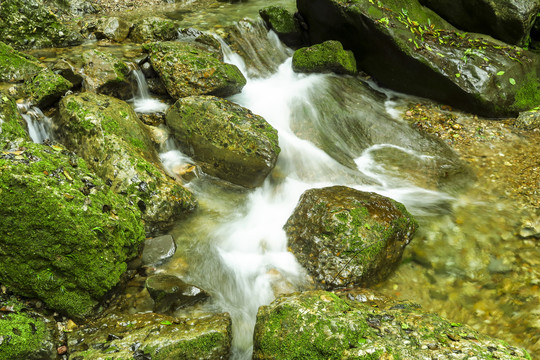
point(328, 56)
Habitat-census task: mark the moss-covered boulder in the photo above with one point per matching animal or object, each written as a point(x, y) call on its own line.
point(186, 70)
point(105, 74)
point(284, 24)
point(345, 237)
point(107, 133)
point(47, 88)
point(320, 325)
point(508, 20)
point(16, 66)
point(154, 29)
point(65, 236)
point(408, 48)
point(26, 24)
point(25, 334)
point(328, 56)
point(12, 125)
point(528, 120)
point(153, 336)
point(227, 140)
point(112, 28)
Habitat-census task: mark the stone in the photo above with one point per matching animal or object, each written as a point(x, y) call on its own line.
point(283, 23)
point(171, 293)
point(154, 29)
point(409, 48)
point(344, 237)
point(157, 250)
point(16, 66)
point(319, 325)
point(112, 28)
point(105, 74)
point(326, 57)
point(47, 88)
point(188, 70)
point(507, 20)
point(107, 133)
point(12, 125)
point(155, 336)
point(68, 71)
point(69, 242)
point(225, 139)
point(528, 120)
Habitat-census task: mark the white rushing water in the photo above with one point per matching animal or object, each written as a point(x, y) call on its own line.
point(143, 102)
point(39, 125)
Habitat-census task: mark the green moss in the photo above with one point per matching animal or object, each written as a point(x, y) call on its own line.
point(47, 87)
point(328, 56)
point(11, 122)
point(16, 66)
point(279, 19)
point(23, 336)
point(528, 95)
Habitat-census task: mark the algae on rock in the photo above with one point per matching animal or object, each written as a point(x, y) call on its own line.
point(105, 74)
point(47, 88)
point(16, 66)
point(12, 125)
point(328, 56)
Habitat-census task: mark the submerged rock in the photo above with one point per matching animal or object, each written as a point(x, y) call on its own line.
point(157, 250)
point(107, 133)
point(66, 244)
point(320, 325)
point(170, 293)
point(189, 70)
point(508, 20)
point(153, 336)
point(345, 237)
point(328, 56)
point(105, 74)
point(16, 66)
point(283, 23)
point(47, 88)
point(408, 48)
point(29, 24)
point(227, 140)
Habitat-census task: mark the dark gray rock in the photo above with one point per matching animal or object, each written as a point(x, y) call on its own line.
point(528, 120)
point(157, 250)
point(170, 293)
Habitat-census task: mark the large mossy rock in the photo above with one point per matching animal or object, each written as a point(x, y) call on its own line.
point(12, 125)
point(105, 74)
point(46, 88)
point(328, 56)
point(226, 139)
point(154, 29)
point(16, 66)
point(283, 23)
point(188, 70)
point(66, 236)
point(408, 48)
point(107, 133)
point(345, 237)
point(508, 20)
point(153, 336)
point(112, 28)
point(320, 325)
point(29, 24)
point(25, 335)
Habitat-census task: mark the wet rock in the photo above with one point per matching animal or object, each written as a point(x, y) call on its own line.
point(320, 325)
point(25, 334)
point(47, 88)
point(345, 237)
point(60, 245)
point(154, 336)
point(157, 250)
point(26, 24)
point(408, 48)
point(154, 29)
point(284, 24)
point(201, 40)
point(12, 125)
point(227, 140)
point(16, 66)
point(105, 74)
point(508, 20)
point(170, 293)
point(107, 133)
point(156, 86)
point(112, 28)
point(153, 119)
point(328, 56)
point(188, 70)
point(528, 120)
point(530, 228)
point(68, 71)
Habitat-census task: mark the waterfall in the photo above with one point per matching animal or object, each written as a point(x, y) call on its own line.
point(39, 125)
point(143, 102)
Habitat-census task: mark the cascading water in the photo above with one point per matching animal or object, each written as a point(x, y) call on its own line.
point(241, 255)
point(39, 125)
point(143, 102)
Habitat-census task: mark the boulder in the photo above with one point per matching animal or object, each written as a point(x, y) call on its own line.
point(326, 57)
point(26, 24)
point(507, 20)
point(47, 88)
point(12, 125)
point(284, 24)
point(170, 293)
point(320, 325)
point(25, 334)
point(16, 66)
point(528, 120)
point(66, 244)
point(105, 74)
point(157, 250)
point(410, 49)
point(154, 29)
point(227, 140)
point(112, 28)
point(189, 70)
point(345, 237)
point(107, 133)
point(153, 336)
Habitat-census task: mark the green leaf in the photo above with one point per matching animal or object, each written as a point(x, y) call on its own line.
point(500, 73)
point(455, 324)
point(512, 81)
point(458, 75)
point(166, 322)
